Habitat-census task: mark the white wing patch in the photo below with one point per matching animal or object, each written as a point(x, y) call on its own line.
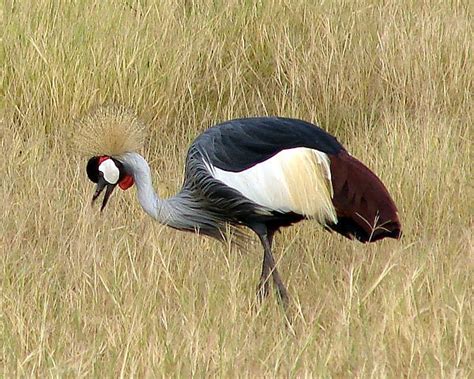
point(294, 180)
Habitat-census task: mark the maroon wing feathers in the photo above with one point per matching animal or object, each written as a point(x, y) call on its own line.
point(364, 207)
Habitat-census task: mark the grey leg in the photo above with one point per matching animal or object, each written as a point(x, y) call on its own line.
point(269, 267)
point(264, 283)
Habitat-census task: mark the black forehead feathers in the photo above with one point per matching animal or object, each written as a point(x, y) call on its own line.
point(93, 168)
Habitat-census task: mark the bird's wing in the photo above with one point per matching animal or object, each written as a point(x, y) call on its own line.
point(271, 164)
point(279, 164)
point(296, 180)
point(239, 144)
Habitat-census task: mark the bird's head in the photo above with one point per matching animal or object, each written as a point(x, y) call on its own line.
point(107, 134)
point(107, 172)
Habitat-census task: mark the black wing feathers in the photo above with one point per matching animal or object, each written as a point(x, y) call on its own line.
point(239, 144)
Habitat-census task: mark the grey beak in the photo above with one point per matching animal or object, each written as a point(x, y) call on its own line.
point(101, 184)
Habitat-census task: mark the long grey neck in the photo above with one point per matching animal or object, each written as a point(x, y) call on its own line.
point(161, 210)
point(180, 211)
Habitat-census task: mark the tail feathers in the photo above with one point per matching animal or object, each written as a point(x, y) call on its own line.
point(363, 205)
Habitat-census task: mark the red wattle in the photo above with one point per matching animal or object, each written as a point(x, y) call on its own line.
point(126, 182)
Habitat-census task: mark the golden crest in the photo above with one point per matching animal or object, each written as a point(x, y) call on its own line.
point(109, 130)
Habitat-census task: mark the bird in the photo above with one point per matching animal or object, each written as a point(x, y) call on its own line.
point(256, 173)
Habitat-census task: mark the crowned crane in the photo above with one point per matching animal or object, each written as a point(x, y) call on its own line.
point(262, 173)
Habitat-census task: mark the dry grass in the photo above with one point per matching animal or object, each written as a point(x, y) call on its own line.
point(85, 294)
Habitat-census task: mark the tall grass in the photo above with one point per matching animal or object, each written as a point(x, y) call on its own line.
point(114, 294)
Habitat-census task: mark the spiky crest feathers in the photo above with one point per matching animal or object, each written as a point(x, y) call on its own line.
point(109, 130)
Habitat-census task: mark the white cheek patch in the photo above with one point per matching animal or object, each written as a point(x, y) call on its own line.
point(110, 171)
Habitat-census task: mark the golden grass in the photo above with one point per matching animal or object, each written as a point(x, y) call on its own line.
point(114, 294)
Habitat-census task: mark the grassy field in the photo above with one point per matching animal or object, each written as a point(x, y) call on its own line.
point(87, 294)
